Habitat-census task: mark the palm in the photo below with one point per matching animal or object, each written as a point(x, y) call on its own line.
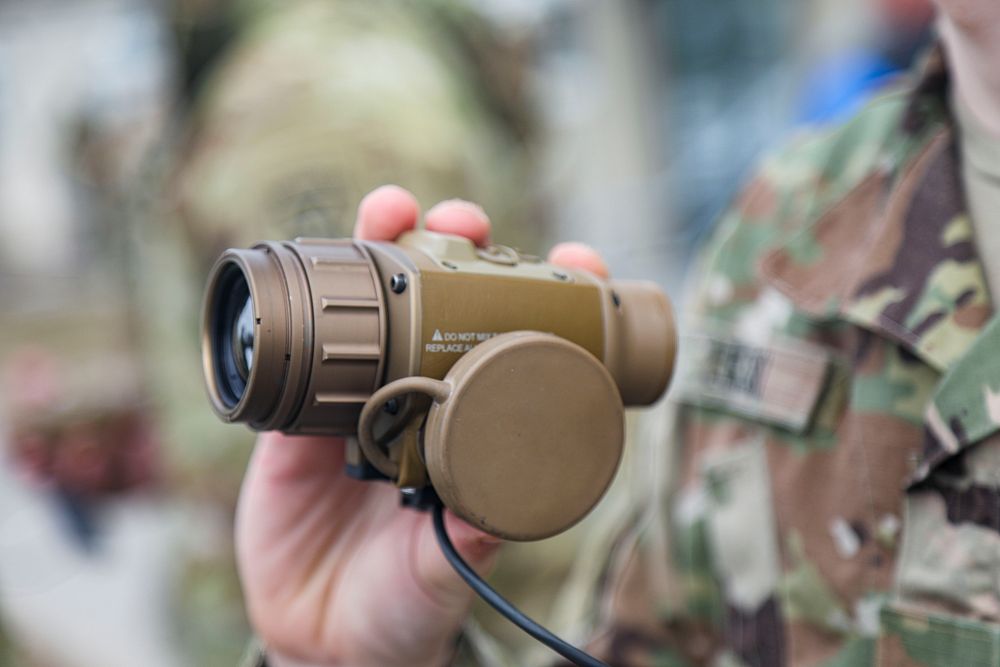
point(334, 571)
point(336, 564)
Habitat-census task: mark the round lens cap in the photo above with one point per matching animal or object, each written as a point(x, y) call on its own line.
point(529, 437)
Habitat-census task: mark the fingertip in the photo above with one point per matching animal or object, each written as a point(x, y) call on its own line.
point(460, 217)
point(579, 256)
point(385, 213)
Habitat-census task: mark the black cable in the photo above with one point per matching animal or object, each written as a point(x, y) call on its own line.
point(498, 602)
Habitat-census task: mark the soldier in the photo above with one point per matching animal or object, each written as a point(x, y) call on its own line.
point(831, 495)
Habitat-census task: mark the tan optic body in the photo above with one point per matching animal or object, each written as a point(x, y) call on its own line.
point(335, 320)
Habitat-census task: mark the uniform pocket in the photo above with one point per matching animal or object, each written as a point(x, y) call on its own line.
point(741, 526)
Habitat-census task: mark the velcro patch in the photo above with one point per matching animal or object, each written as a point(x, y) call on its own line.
point(780, 383)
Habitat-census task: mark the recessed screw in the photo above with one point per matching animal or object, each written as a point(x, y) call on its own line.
point(615, 299)
point(449, 265)
point(398, 283)
point(392, 406)
point(559, 275)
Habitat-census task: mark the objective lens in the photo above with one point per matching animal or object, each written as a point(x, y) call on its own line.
point(262, 332)
point(232, 335)
point(243, 339)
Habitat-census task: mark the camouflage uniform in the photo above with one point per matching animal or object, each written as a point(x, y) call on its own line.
point(832, 495)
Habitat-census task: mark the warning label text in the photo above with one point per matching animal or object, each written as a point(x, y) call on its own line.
point(456, 341)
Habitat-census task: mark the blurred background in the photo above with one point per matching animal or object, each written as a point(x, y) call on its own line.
point(139, 138)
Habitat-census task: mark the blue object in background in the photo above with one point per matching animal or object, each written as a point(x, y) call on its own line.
point(839, 86)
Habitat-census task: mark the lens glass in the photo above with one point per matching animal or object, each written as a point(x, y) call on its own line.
point(243, 339)
point(232, 329)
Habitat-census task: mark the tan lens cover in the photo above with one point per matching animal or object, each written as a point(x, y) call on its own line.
point(529, 437)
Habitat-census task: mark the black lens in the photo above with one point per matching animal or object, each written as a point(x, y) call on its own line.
point(243, 339)
point(232, 335)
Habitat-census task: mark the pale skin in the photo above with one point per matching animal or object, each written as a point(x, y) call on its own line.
point(334, 572)
point(971, 33)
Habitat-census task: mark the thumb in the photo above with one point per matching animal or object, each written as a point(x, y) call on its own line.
point(436, 575)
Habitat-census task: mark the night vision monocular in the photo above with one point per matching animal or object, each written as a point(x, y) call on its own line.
point(484, 378)
point(494, 377)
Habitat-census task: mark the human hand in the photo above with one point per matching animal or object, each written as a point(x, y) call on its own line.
point(334, 570)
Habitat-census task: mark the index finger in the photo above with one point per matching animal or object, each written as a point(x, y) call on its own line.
point(579, 256)
point(385, 213)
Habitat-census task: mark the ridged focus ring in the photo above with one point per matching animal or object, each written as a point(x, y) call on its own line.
point(349, 330)
point(318, 333)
